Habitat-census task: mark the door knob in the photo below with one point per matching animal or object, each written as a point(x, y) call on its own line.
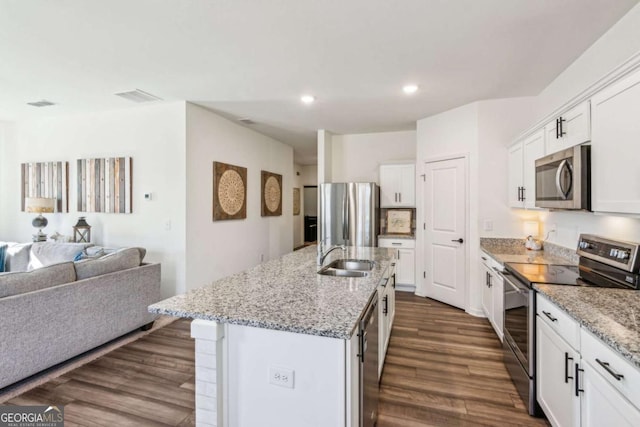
point(460, 240)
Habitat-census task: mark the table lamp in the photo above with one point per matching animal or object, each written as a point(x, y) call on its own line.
point(39, 205)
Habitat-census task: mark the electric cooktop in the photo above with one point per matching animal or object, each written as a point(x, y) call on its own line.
point(543, 273)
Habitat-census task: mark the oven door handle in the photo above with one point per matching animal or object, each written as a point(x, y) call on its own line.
point(520, 288)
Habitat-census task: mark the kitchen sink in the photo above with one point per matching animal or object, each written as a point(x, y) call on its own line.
point(326, 271)
point(351, 264)
point(347, 268)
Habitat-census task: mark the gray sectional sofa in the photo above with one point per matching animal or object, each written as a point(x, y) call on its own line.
point(53, 308)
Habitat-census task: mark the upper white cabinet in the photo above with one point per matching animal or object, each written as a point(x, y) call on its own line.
point(615, 147)
point(522, 170)
point(569, 129)
point(398, 186)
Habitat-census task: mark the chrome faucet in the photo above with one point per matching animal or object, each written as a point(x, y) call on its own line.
point(322, 255)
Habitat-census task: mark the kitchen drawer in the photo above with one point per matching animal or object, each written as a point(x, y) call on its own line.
point(490, 262)
point(383, 242)
point(628, 384)
point(559, 321)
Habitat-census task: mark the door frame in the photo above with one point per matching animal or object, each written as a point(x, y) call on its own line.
point(421, 232)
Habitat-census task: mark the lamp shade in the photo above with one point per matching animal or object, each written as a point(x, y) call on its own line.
point(39, 205)
point(530, 228)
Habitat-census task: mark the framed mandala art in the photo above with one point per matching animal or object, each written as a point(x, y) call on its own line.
point(229, 192)
point(271, 194)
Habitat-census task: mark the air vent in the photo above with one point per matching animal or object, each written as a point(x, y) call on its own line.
point(43, 103)
point(138, 96)
point(246, 121)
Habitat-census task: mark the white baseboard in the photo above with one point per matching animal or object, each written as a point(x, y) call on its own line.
point(405, 288)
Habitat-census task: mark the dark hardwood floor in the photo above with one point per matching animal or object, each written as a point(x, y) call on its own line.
point(444, 368)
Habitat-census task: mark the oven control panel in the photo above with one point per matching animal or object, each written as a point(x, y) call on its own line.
point(619, 254)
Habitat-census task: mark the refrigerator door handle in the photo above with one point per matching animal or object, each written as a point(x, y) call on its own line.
point(345, 216)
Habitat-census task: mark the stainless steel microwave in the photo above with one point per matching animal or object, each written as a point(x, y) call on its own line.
point(563, 179)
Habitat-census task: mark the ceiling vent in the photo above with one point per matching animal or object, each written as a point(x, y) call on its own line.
point(246, 121)
point(138, 96)
point(43, 103)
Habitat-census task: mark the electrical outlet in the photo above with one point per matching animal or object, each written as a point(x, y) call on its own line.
point(488, 225)
point(282, 377)
point(553, 228)
point(261, 257)
point(167, 225)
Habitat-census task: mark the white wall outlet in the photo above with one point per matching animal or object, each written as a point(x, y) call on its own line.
point(167, 225)
point(488, 225)
point(148, 196)
point(261, 257)
point(282, 377)
point(553, 228)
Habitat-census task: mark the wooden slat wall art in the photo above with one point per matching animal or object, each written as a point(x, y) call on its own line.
point(46, 179)
point(104, 185)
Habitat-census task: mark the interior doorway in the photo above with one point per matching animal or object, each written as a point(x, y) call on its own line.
point(310, 214)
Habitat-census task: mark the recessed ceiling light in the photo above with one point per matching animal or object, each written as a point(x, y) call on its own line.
point(409, 89)
point(307, 99)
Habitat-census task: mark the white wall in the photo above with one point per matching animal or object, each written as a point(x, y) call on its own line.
point(298, 220)
point(357, 157)
point(309, 175)
point(217, 249)
point(154, 136)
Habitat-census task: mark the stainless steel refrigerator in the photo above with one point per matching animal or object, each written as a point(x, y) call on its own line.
point(349, 214)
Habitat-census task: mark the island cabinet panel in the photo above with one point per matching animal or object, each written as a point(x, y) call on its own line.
point(317, 367)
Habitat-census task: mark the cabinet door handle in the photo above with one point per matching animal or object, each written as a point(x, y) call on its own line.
point(557, 128)
point(562, 132)
point(566, 367)
point(483, 258)
point(400, 197)
point(607, 368)
point(577, 380)
point(385, 309)
point(523, 194)
point(546, 313)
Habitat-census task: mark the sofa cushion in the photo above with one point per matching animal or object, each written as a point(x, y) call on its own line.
point(14, 283)
point(17, 258)
point(45, 253)
point(116, 261)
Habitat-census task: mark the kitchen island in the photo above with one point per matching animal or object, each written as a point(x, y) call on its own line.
point(276, 344)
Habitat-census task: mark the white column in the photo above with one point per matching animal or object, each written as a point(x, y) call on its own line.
point(209, 394)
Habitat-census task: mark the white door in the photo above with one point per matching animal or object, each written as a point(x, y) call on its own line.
point(445, 231)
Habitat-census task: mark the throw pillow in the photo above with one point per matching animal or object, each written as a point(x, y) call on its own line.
point(46, 253)
point(3, 254)
point(116, 261)
point(29, 281)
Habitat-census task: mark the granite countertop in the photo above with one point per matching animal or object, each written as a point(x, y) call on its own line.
point(397, 236)
point(611, 314)
point(286, 294)
point(513, 250)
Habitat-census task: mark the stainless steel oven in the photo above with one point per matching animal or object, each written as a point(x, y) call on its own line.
point(563, 179)
point(519, 338)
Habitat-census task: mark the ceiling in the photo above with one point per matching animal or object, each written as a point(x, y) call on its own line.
point(254, 58)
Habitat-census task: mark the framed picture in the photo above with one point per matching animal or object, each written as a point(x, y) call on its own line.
point(296, 201)
point(48, 180)
point(399, 221)
point(105, 185)
point(229, 192)
point(271, 194)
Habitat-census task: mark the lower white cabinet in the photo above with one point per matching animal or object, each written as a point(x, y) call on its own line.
point(492, 292)
point(406, 260)
point(580, 380)
point(556, 377)
point(386, 313)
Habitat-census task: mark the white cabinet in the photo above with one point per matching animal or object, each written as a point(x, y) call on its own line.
point(615, 134)
point(386, 313)
point(569, 129)
point(522, 163)
point(397, 186)
point(406, 260)
point(580, 380)
point(492, 292)
point(602, 405)
point(555, 380)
